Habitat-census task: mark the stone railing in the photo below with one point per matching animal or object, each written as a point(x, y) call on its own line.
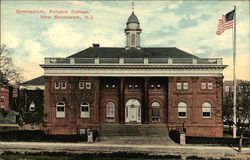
point(133, 61)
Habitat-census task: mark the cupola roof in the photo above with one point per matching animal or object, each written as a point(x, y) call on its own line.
point(132, 18)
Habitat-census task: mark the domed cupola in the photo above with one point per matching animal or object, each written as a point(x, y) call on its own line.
point(133, 19)
point(132, 32)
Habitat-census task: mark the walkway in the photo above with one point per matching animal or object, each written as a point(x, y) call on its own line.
point(95, 148)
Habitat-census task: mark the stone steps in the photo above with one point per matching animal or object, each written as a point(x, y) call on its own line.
point(133, 130)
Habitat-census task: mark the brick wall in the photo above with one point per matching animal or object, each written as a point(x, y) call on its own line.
point(118, 91)
point(194, 97)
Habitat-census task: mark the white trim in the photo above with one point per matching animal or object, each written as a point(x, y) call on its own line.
point(60, 114)
point(133, 72)
point(63, 85)
point(33, 87)
point(85, 114)
point(57, 86)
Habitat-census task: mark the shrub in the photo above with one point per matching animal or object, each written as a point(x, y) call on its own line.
point(218, 141)
point(40, 136)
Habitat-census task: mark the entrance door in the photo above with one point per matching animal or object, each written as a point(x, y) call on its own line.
point(133, 111)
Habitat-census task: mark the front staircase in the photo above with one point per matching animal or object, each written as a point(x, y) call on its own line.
point(134, 134)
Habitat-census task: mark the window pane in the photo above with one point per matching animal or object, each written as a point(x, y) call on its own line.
point(152, 86)
point(81, 85)
point(155, 111)
point(110, 109)
point(63, 84)
point(57, 85)
point(88, 85)
point(182, 110)
point(130, 86)
point(185, 86)
point(203, 85)
point(206, 114)
point(210, 86)
point(206, 110)
point(136, 86)
point(158, 86)
point(182, 114)
point(179, 86)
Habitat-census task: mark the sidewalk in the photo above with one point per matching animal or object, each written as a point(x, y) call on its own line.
point(96, 148)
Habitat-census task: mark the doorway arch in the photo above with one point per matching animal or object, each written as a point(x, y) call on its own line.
point(133, 111)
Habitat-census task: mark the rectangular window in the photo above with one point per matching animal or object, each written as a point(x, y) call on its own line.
point(185, 86)
point(60, 113)
point(107, 86)
point(82, 131)
point(203, 85)
point(63, 85)
point(136, 86)
point(81, 85)
point(210, 85)
point(88, 85)
point(206, 112)
point(60, 109)
point(2, 99)
point(152, 86)
point(130, 86)
point(85, 112)
point(182, 111)
point(227, 88)
point(158, 86)
point(57, 85)
point(179, 86)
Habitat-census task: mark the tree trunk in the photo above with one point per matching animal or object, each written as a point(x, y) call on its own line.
point(240, 142)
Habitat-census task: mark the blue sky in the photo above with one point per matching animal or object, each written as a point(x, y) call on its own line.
point(187, 25)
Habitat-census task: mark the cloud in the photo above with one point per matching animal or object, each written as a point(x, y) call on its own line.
point(187, 22)
point(63, 35)
point(190, 26)
point(173, 6)
point(10, 39)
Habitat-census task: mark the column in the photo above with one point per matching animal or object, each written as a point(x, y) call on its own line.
point(145, 107)
point(121, 105)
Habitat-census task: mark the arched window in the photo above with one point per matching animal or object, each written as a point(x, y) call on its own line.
point(60, 110)
point(206, 110)
point(110, 112)
point(85, 110)
point(155, 112)
point(182, 110)
point(132, 39)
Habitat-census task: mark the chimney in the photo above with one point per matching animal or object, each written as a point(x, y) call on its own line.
point(96, 45)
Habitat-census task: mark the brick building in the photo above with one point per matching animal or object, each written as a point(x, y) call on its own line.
point(134, 86)
point(6, 96)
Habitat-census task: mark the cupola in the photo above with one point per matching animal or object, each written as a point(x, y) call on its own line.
point(132, 32)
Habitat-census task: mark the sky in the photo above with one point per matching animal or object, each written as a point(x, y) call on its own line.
point(187, 25)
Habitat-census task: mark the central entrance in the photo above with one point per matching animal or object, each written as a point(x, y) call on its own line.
point(133, 111)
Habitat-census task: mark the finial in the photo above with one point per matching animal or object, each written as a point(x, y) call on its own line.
point(132, 6)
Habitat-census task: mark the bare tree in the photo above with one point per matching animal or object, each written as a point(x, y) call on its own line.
point(227, 109)
point(243, 110)
point(8, 71)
